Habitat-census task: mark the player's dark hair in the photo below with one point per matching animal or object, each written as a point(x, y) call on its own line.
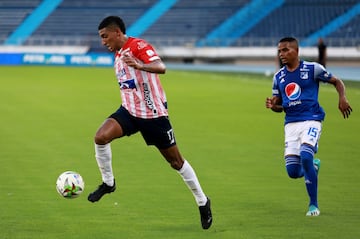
point(289, 39)
point(113, 21)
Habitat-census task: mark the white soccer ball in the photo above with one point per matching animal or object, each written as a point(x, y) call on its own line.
point(70, 184)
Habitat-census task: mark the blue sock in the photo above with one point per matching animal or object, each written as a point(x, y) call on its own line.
point(293, 166)
point(311, 178)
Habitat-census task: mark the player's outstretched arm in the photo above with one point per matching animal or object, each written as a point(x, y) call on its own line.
point(274, 103)
point(344, 105)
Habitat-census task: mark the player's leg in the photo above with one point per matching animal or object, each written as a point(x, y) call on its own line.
point(293, 166)
point(108, 131)
point(159, 132)
point(292, 151)
point(172, 155)
point(316, 160)
point(116, 126)
point(183, 167)
point(310, 137)
point(311, 177)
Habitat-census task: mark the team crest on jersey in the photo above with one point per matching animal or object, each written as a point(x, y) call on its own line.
point(281, 77)
point(141, 45)
point(293, 91)
point(304, 75)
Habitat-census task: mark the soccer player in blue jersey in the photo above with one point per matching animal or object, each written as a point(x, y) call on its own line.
point(295, 91)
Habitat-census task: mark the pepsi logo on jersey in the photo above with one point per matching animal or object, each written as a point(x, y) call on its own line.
point(293, 91)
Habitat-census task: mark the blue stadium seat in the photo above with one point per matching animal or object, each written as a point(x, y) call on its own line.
point(12, 13)
point(75, 22)
point(297, 19)
point(191, 20)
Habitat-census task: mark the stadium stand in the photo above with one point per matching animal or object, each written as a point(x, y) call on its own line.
point(32, 22)
point(13, 13)
point(189, 20)
point(349, 34)
point(241, 22)
point(295, 18)
point(76, 21)
point(350, 30)
point(186, 22)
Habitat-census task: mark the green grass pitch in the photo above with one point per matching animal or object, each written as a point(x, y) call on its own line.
point(49, 116)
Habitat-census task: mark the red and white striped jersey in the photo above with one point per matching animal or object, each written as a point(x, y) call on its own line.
point(141, 92)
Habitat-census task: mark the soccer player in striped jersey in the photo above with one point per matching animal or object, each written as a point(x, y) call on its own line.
point(295, 91)
point(143, 109)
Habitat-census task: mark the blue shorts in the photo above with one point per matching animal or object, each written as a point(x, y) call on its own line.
point(157, 131)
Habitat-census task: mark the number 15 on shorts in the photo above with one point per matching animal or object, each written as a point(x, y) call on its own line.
point(313, 132)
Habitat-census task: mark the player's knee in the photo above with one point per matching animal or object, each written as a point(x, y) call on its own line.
point(173, 157)
point(100, 138)
point(294, 171)
point(293, 166)
point(176, 164)
point(292, 174)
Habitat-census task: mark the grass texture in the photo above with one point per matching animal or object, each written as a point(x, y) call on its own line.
point(49, 116)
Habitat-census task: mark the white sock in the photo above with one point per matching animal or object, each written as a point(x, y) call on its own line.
point(103, 157)
point(189, 177)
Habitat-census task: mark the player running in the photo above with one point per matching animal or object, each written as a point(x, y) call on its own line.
point(295, 91)
point(143, 109)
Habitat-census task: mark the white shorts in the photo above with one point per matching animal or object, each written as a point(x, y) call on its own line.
point(298, 133)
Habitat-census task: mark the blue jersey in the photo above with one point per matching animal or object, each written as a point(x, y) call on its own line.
point(298, 91)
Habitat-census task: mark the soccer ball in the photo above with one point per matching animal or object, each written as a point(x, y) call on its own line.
point(70, 184)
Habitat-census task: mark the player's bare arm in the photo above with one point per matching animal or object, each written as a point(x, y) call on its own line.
point(156, 66)
point(274, 103)
point(344, 105)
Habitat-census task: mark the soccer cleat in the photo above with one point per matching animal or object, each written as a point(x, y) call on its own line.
point(313, 211)
point(317, 165)
point(205, 215)
point(101, 191)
